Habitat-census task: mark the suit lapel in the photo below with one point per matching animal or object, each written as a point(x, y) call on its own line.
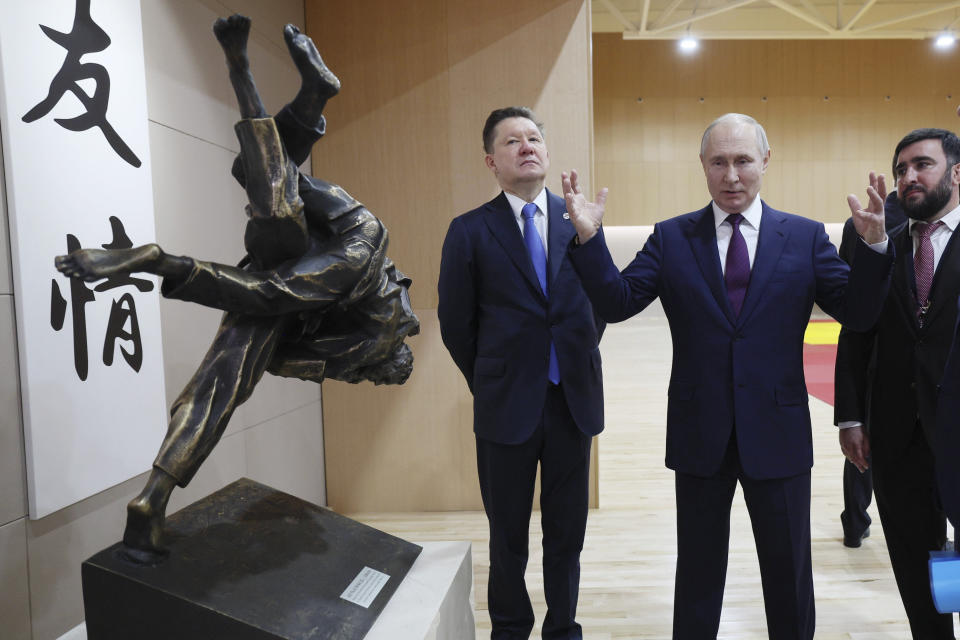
point(702, 234)
point(946, 280)
point(559, 233)
point(770, 244)
point(503, 226)
point(903, 285)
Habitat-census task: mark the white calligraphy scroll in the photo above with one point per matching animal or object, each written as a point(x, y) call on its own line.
point(73, 118)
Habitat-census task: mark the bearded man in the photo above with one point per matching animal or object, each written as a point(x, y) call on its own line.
point(887, 377)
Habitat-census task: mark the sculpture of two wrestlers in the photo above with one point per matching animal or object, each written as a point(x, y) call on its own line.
point(315, 297)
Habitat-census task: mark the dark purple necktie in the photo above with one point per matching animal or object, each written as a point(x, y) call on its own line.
point(923, 264)
point(737, 271)
point(531, 238)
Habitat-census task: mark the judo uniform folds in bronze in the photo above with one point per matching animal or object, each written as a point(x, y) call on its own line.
point(315, 297)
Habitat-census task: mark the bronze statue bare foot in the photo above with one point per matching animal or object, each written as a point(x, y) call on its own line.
point(144, 529)
point(145, 516)
point(95, 264)
point(316, 77)
point(233, 33)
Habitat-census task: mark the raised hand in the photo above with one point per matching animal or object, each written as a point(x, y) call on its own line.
point(869, 221)
point(585, 215)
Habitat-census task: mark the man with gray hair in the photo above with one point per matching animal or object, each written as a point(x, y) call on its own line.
point(737, 280)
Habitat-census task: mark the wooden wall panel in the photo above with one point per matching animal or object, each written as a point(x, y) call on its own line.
point(833, 110)
point(405, 138)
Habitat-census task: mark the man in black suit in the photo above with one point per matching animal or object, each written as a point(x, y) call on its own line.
point(889, 375)
point(519, 326)
point(858, 483)
point(947, 436)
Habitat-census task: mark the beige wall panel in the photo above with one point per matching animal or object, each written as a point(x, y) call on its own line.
point(387, 141)
point(187, 85)
point(276, 396)
point(536, 58)
point(56, 547)
point(12, 480)
point(408, 448)
point(269, 18)
point(6, 279)
point(405, 138)
point(286, 453)
point(199, 212)
point(187, 88)
point(833, 111)
point(14, 594)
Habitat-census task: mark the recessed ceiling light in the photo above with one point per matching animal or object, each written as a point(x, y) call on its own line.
point(945, 40)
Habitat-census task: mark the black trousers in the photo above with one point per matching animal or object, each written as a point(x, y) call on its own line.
point(780, 516)
point(904, 483)
point(507, 479)
point(857, 493)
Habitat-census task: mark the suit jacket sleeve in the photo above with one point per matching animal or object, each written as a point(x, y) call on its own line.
point(854, 353)
point(853, 295)
point(616, 296)
point(457, 305)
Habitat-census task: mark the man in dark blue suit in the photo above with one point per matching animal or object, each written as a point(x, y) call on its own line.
point(519, 326)
point(737, 281)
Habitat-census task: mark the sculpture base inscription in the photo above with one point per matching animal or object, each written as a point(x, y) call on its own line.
point(249, 562)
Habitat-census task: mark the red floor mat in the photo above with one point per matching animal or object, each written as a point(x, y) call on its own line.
point(818, 360)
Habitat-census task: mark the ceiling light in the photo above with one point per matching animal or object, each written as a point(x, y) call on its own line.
point(688, 44)
point(945, 40)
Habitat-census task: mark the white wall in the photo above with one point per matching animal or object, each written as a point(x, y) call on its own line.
point(276, 437)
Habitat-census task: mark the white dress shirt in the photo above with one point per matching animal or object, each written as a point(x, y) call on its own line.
point(940, 237)
point(749, 229)
point(539, 218)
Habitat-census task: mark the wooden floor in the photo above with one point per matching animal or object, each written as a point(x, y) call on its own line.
point(627, 566)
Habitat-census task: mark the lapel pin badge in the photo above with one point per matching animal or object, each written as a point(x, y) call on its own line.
point(566, 216)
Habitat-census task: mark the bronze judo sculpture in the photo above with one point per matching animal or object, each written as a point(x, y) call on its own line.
point(315, 297)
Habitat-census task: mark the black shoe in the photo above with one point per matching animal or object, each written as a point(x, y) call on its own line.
point(854, 541)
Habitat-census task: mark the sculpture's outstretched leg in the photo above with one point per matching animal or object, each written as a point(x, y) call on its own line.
point(317, 83)
point(145, 515)
point(94, 264)
point(232, 33)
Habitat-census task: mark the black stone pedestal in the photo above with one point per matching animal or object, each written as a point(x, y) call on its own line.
point(246, 562)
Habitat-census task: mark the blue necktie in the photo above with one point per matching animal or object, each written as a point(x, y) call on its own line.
point(737, 272)
point(538, 256)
